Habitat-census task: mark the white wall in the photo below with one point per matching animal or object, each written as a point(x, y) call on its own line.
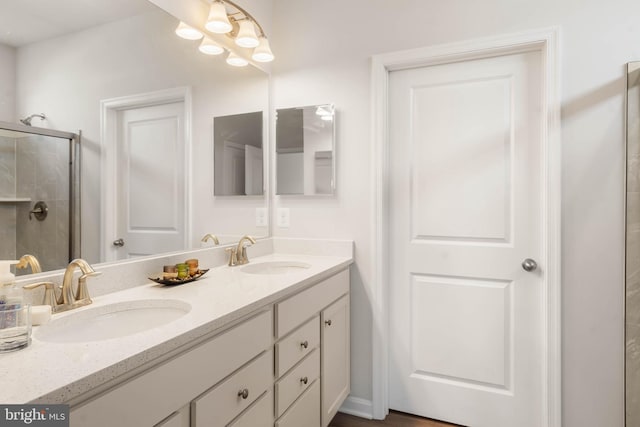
point(68, 76)
point(7, 83)
point(328, 62)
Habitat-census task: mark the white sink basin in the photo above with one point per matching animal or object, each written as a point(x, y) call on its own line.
point(112, 321)
point(275, 267)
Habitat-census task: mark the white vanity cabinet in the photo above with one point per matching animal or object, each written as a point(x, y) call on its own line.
point(285, 365)
point(312, 353)
point(162, 395)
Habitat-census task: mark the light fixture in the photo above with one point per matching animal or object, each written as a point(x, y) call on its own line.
point(209, 47)
point(226, 17)
point(236, 61)
point(187, 32)
point(247, 35)
point(218, 21)
point(262, 53)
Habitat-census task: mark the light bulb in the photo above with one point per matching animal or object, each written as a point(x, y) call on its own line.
point(187, 32)
point(247, 35)
point(209, 47)
point(236, 61)
point(263, 53)
point(218, 21)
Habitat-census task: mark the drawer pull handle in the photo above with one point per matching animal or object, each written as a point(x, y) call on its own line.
point(304, 344)
point(327, 322)
point(304, 380)
point(244, 393)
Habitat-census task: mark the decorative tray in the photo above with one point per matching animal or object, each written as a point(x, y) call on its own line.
point(176, 281)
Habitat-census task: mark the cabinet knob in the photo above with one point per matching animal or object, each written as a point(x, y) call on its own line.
point(244, 393)
point(304, 344)
point(327, 322)
point(304, 380)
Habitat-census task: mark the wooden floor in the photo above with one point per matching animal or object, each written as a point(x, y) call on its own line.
point(394, 419)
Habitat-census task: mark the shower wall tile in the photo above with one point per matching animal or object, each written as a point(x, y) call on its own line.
point(7, 231)
point(43, 174)
point(7, 167)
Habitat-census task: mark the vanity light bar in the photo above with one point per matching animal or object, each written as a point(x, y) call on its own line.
point(242, 29)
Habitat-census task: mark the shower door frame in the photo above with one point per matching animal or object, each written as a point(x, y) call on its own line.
point(75, 139)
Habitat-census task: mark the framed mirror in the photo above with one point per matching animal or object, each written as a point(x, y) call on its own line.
point(115, 50)
point(632, 252)
point(238, 155)
point(305, 150)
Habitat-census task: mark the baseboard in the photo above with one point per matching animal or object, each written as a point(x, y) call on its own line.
point(358, 407)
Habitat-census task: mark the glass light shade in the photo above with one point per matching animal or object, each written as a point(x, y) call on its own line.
point(247, 34)
point(209, 47)
point(236, 61)
point(263, 53)
point(187, 32)
point(218, 21)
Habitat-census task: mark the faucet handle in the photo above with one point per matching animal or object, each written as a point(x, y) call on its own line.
point(233, 256)
point(82, 293)
point(49, 292)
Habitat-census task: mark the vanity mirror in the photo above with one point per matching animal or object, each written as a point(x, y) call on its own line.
point(305, 150)
point(238, 155)
point(632, 268)
point(116, 50)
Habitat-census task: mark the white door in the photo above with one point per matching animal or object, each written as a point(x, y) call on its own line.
point(466, 319)
point(233, 168)
point(151, 193)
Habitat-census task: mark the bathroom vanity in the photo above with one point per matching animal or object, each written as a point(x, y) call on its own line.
point(265, 346)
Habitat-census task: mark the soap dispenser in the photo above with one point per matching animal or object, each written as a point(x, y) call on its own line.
point(10, 296)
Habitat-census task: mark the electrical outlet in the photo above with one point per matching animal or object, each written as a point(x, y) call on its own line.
point(261, 217)
point(283, 217)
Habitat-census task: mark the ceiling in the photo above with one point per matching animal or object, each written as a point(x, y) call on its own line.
point(28, 21)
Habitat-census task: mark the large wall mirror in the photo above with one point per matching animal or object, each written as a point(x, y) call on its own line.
point(115, 49)
point(632, 270)
point(305, 150)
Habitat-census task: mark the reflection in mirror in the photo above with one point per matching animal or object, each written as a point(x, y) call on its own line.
point(632, 306)
point(305, 150)
point(238, 159)
point(117, 49)
point(38, 182)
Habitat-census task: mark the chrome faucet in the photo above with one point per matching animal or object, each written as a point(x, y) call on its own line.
point(66, 299)
point(241, 249)
point(210, 236)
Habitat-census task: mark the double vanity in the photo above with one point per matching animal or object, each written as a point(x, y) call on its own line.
point(263, 344)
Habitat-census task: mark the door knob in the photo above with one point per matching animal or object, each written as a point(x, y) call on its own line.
point(118, 242)
point(529, 264)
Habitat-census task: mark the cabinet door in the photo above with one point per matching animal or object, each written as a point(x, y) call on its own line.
point(335, 375)
point(179, 418)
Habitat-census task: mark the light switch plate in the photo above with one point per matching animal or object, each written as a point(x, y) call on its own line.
point(283, 217)
point(262, 219)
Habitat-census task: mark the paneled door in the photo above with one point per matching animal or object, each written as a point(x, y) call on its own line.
point(465, 300)
point(151, 189)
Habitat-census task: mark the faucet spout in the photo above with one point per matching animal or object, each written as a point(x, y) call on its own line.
point(81, 296)
point(29, 260)
point(210, 236)
point(241, 249)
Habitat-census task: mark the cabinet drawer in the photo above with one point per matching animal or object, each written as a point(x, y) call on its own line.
point(260, 414)
point(292, 385)
point(224, 402)
point(293, 348)
point(174, 383)
point(293, 311)
point(305, 412)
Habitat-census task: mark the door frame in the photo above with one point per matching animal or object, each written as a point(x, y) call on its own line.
point(109, 109)
point(546, 41)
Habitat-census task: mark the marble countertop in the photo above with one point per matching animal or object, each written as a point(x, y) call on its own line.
point(47, 372)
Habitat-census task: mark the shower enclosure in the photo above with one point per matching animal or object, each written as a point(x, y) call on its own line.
point(39, 195)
